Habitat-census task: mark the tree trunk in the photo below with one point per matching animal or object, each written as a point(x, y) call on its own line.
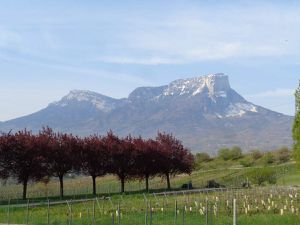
point(25, 189)
point(61, 182)
point(168, 181)
point(94, 185)
point(122, 185)
point(147, 183)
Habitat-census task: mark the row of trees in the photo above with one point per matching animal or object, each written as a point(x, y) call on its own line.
point(28, 157)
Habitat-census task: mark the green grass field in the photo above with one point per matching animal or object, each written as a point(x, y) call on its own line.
point(254, 206)
point(81, 187)
point(277, 204)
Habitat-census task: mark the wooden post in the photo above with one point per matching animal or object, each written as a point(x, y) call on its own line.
point(119, 214)
point(183, 215)
point(27, 213)
point(113, 219)
point(146, 214)
point(48, 213)
point(94, 208)
point(150, 212)
point(234, 212)
point(175, 215)
point(8, 212)
point(206, 211)
point(71, 216)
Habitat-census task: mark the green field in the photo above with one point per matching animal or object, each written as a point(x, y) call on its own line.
point(81, 187)
point(276, 204)
point(254, 206)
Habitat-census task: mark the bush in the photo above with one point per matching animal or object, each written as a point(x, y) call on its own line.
point(262, 175)
point(224, 153)
point(214, 184)
point(236, 153)
point(202, 157)
point(268, 158)
point(256, 154)
point(247, 161)
point(230, 154)
point(283, 155)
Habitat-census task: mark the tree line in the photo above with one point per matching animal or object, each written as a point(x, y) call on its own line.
point(26, 157)
point(228, 157)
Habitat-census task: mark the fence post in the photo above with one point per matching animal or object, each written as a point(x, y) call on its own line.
point(103, 206)
point(94, 202)
point(48, 213)
point(211, 214)
point(175, 215)
point(8, 212)
point(71, 216)
point(119, 214)
point(234, 212)
point(206, 211)
point(150, 206)
point(146, 214)
point(27, 212)
point(183, 215)
point(113, 218)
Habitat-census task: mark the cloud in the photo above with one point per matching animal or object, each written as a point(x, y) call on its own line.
point(186, 33)
point(194, 35)
point(217, 51)
point(104, 74)
point(134, 60)
point(274, 93)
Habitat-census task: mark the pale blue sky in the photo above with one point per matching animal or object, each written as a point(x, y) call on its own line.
point(50, 47)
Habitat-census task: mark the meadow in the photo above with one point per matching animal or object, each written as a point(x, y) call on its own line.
point(269, 205)
point(272, 204)
point(81, 186)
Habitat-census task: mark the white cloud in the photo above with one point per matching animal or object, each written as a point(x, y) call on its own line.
point(274, 93)
point(193, 55)
point(195, 34)
point(134, 60)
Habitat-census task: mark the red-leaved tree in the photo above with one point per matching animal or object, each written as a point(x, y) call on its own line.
point(3, 172)
point(94, 158)
point(60, 154)
point(121, 152)
point(146, 159)
point(21, 158)
point(175, 159)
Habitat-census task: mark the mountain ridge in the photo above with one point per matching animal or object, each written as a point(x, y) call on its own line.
point(205, 112)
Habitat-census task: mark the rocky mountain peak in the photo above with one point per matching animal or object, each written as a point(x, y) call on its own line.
point(215, 84)
point(101, 102)
point(81, 95)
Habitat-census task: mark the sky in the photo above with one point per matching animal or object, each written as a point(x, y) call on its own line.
point(48, 48)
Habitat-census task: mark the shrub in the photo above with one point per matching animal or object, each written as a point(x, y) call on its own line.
point(283, 155)
point(268, 158)
point(256, 154)
point(202, 157)
point(224, 153)
point(230, 154)
point(236, 153)
point(260, 176)
point(247, 161)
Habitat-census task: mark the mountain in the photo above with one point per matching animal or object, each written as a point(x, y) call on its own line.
point(205, 112)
